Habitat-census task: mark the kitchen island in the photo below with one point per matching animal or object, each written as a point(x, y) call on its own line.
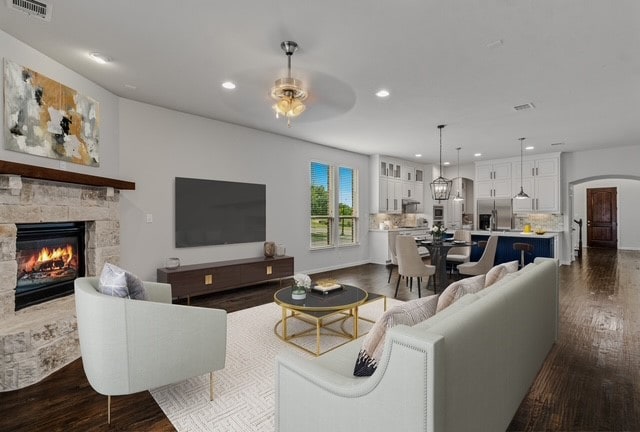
point(545, 245)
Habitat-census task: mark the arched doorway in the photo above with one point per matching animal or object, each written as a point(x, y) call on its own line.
point(627, 207)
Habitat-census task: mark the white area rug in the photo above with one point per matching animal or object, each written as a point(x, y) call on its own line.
point(245, 388)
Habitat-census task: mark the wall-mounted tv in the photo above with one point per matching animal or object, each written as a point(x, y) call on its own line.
point(213, 212)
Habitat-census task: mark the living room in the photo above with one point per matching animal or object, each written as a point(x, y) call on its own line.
point(151, 145)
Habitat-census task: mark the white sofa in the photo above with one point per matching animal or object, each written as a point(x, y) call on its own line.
point(467, 368)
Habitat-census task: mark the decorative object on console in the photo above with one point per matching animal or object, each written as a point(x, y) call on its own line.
point(281, 250)
point(441, 187)
point(409, 313)
point(521, 194)
point(118, 282)
point(269, 249)
point(301, 284)
point(289, 93)
point(46, 118)
point(172, 263)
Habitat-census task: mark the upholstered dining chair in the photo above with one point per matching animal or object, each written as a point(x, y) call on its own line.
point(460, 254)
point(393, 256)
point(410, 263)
point(128, 346)
point(484, 264)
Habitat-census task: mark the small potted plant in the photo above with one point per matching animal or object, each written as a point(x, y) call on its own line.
point(301, 283)
point(437, 233)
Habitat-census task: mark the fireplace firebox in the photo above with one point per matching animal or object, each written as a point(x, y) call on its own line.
point(50, 257)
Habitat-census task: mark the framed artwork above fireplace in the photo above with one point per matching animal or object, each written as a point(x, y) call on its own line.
point(46, 118)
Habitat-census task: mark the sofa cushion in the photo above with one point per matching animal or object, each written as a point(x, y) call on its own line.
point(117, 282)
point(409, 313)
point(457, 289)
point(500, 271)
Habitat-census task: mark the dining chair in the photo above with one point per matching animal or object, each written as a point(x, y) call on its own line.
point(484, 264)
point(392, 255)
point(459, 254)
point(410, 263)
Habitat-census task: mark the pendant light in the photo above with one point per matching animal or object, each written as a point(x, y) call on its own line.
point(458, 198)
point(521, 194)
point(441, 187)
point(289, 93)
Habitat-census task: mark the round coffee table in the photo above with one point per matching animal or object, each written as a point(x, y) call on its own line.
point(319, 310)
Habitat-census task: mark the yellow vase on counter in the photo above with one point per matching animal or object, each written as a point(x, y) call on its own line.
point(527, 228)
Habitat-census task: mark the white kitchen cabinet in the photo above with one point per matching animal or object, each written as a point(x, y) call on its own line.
point(391, 181)
point(541, 181)
point(493, 179)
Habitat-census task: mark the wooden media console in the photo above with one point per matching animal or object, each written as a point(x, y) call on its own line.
point(199, 279)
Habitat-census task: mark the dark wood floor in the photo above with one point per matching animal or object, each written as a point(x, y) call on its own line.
point(589, 382)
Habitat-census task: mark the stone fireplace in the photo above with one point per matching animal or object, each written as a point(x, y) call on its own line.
point(38, 340)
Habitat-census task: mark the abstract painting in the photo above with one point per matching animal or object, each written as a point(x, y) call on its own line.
point(45, 118)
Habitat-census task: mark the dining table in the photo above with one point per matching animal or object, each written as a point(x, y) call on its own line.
point(438, 252)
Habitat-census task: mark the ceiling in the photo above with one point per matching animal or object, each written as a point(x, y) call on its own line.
point(465, 64)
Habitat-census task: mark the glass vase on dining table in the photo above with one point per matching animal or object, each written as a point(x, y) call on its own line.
point(437, 233)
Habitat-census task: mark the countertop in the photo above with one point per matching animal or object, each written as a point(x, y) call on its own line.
point(398, 229)
point(548, 234)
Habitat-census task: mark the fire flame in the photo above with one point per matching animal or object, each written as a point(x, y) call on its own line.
point(46, 254)
point(64, 253)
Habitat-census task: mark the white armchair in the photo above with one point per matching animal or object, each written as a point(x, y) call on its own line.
point(129, 346)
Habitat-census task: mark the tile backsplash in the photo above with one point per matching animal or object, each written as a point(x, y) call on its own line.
point(545, 221)
point(396, 220)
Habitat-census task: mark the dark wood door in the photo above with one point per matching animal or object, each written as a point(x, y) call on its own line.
point(602, 218)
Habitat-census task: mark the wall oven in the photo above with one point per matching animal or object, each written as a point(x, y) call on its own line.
point(438, 213)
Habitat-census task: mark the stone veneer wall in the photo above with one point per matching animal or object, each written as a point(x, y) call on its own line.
point(38, 340)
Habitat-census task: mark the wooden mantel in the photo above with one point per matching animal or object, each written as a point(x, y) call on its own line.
point(36, 172)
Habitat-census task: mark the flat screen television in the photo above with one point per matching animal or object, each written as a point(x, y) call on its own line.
point(214, 212)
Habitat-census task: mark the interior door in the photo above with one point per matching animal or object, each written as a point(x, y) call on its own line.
point(602, 218)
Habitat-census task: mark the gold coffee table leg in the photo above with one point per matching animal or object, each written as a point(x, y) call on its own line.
point(355, 322)
point(284, 323)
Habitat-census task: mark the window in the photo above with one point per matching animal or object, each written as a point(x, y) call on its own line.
point(326, 195)
point(347, 207)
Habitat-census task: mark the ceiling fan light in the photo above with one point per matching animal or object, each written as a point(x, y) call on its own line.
point(284, 105)
point(289, 93)
point(297, 108)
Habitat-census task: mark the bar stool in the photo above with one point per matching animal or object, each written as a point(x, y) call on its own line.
point(523, 247)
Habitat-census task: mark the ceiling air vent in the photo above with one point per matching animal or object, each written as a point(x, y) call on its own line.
point(39, 9)
point(557, 144)
point(523, 107)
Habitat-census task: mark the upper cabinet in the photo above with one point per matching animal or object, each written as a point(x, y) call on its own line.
point(493, 179)
point(541, 181)
point(391, 181)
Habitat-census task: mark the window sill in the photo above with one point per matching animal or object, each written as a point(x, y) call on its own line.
point(319, 248)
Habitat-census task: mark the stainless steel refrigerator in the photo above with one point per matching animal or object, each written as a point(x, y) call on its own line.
point(500, 209)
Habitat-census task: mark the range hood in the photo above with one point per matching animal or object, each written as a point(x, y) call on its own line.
point(409, 205)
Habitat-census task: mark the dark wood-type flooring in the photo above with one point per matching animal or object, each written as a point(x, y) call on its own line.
point(589, 382)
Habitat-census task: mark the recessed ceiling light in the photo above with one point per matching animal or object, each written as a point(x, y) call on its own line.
point(418, 154)
point(229, 85)
point(495, 44)
point(529, 147)
point(99, 58)
point(382, 93)
point(130, 86)
point(446, 163)
point(477, 154)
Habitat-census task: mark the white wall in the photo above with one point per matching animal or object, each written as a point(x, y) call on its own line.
point(157, 145)
point(628, 194)
point(615, 163)
point(18, 52)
